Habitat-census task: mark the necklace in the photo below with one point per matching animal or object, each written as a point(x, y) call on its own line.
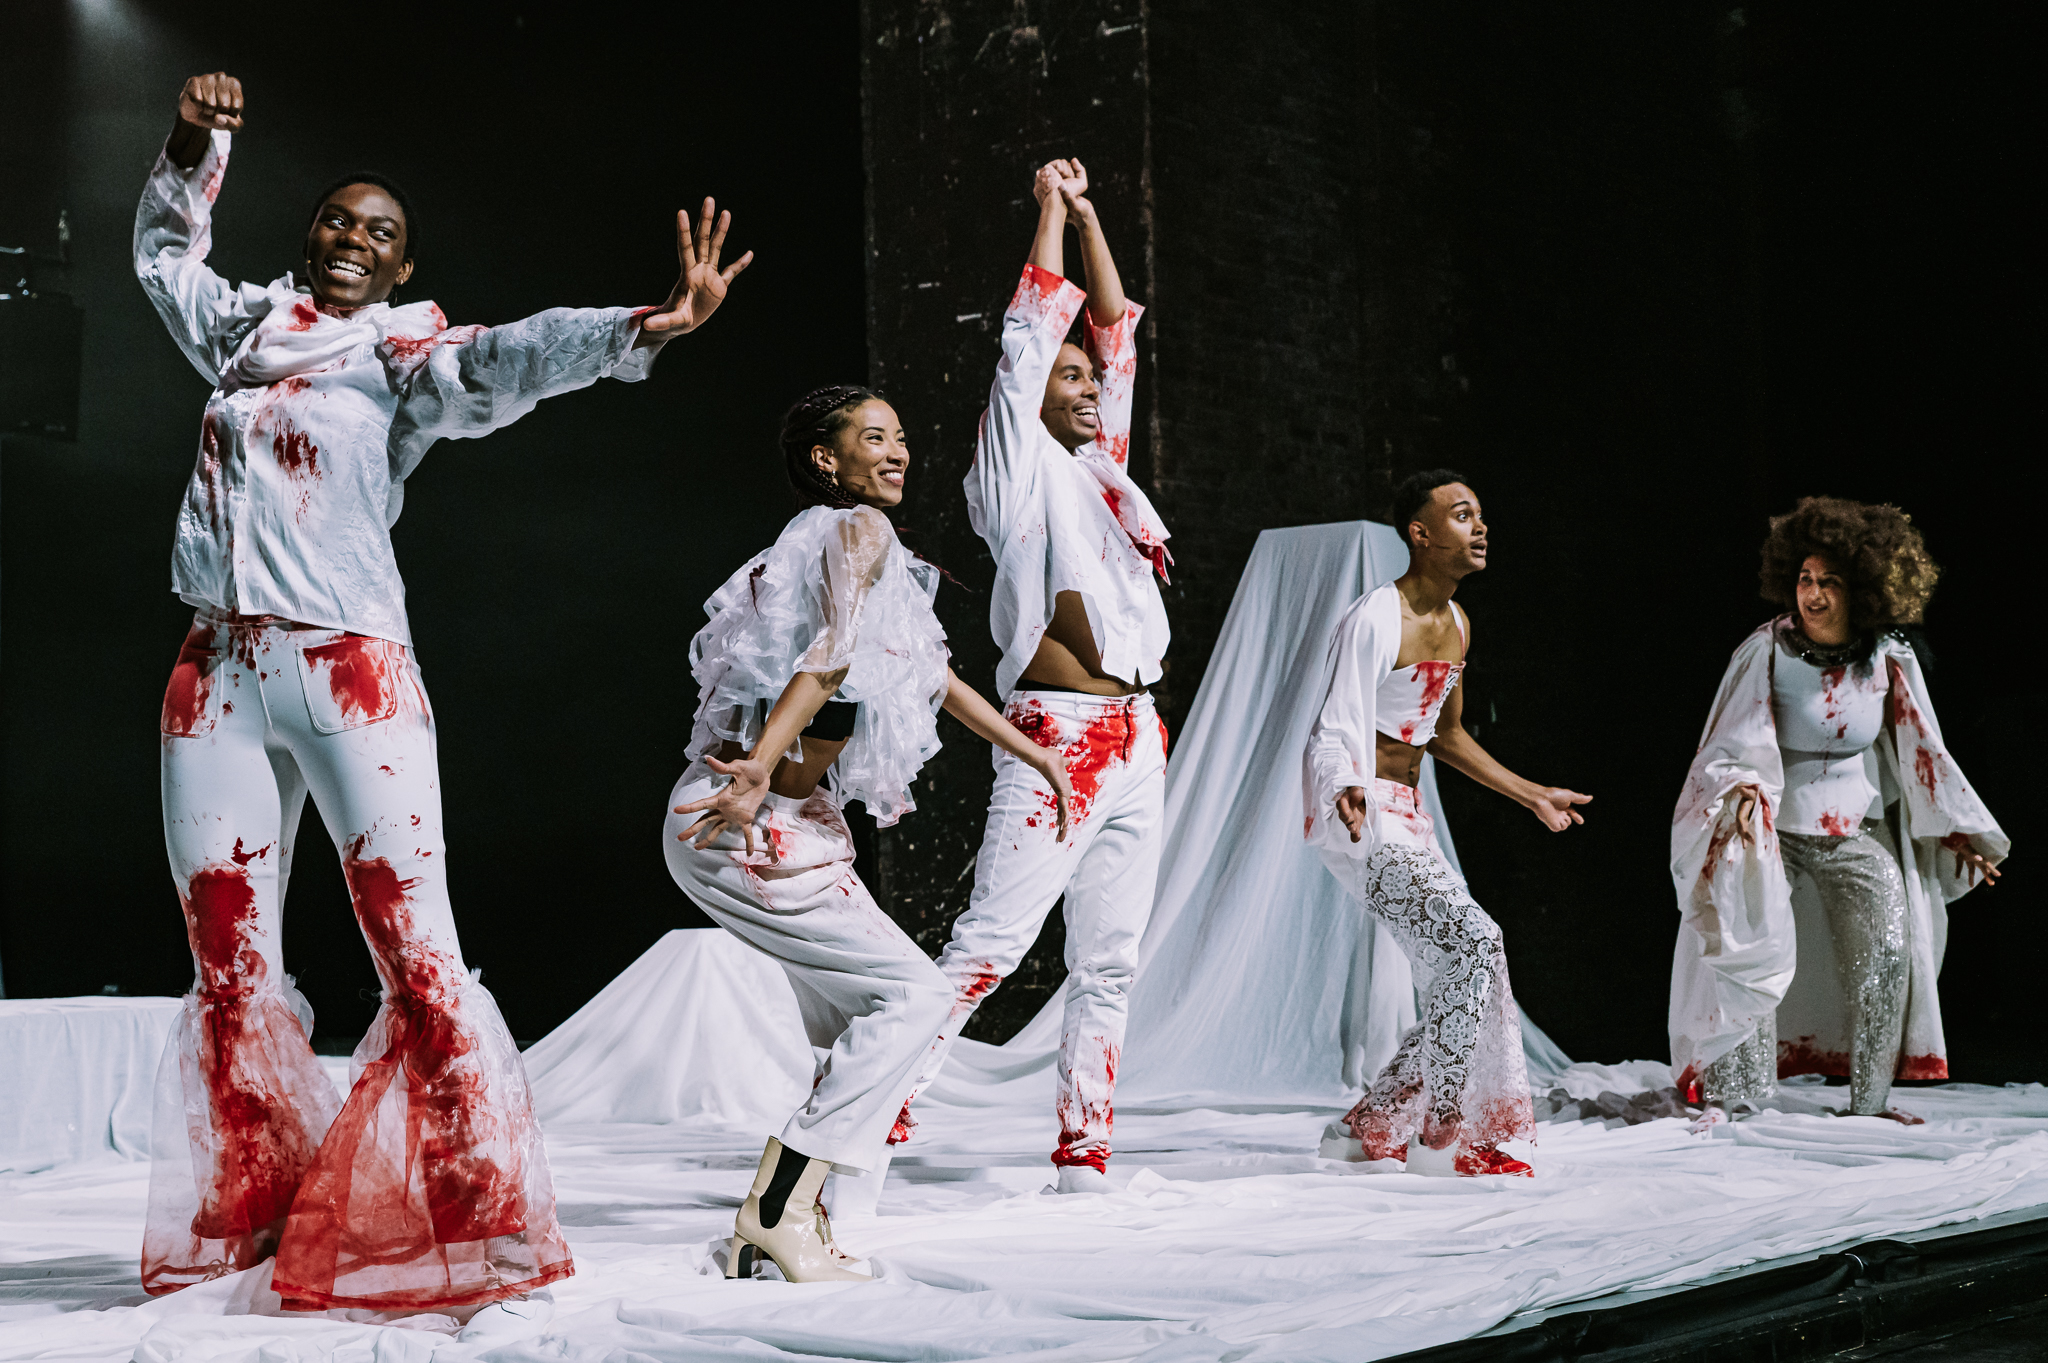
point(1825, 655)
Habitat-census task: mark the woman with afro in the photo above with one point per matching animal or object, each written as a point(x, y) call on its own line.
point(1822, 831)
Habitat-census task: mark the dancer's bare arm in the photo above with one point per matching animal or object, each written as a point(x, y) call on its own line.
point(1105, 286)
point(971, 708)
point(1552, 804)
point(205, 104)
point(1049, 244)
point(734, 806)
point(701, 286)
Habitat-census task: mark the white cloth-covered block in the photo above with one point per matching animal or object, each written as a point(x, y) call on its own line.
point(77, 1076)
point(702, 1027)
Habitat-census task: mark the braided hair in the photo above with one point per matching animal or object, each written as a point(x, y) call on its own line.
point(818, 416)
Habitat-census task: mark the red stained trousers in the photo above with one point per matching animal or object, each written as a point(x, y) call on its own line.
point(1107, 868)
point(427, 1186)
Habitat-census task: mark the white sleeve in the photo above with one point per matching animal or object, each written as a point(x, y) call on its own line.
point(469, 380)
point(852, 559)
point(206, 315)
point(1341, 743)
point(1006, 454)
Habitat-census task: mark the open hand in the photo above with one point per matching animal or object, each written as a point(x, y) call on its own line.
point(702, 285)
point(1054, 769)
point(1353, 809)
point(211, 102)
point(733, 806)
point(1553, 805)
point(1747, 798)
point(1970, 863)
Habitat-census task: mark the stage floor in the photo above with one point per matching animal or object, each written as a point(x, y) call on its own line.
point(1229, 1238)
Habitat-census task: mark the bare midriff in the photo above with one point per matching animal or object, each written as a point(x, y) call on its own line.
point(1394, 760)
point(793, 780)
point(1067, 659)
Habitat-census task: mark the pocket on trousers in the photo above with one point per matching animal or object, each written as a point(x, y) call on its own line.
point(351, 681)
point(190, 705)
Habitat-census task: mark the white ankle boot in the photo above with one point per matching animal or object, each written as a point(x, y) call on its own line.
point(1083, 1178)
point(1432, 1163)
point(800, 1241)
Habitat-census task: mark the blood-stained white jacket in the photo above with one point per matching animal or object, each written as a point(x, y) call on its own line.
point(317, 418)
point(1061, 522)
point(1737, 954)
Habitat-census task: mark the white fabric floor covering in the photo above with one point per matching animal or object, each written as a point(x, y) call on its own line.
point(1228, 1239)
point(77, 1077)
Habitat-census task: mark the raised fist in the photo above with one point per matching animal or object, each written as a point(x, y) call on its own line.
point(212, 102)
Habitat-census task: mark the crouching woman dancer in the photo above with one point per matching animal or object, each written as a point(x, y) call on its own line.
point(823, 658)
point(1456, 1087)
point(428, 1186)
point(1815, 704)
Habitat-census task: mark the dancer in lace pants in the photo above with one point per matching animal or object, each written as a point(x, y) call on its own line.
point(1456, 1088)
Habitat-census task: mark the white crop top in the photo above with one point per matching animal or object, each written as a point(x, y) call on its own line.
point(1827, 718)
point(1408, 702)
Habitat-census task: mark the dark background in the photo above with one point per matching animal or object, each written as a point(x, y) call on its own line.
point(1645, 273)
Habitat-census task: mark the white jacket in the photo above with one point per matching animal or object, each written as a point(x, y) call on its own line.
point(316, 419)
point(1066, 522)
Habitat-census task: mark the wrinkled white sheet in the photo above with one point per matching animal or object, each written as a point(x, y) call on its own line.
point(77, 1076)
point(1228, 1239)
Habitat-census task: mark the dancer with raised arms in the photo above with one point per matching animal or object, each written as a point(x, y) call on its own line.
point(1822, 763)
point(823, 659)
point(1456, 1087)
point(1077, 613)
point(428, 1186)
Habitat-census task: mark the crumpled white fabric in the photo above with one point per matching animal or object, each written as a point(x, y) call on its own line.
point(317, 418)
point(835, 590)
point(1737, 949)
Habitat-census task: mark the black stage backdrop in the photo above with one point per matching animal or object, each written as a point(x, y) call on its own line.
point(1672, 269)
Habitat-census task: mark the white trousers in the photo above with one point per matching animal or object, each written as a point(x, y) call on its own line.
point(428, 1186)
point(1115, 752)
point(871, 999)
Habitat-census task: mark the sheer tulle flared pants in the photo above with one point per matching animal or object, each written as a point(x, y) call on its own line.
point(427, 1186)
point(870, 999)
point(1458, 1074)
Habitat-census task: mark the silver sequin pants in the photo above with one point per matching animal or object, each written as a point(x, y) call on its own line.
point(1864, 898)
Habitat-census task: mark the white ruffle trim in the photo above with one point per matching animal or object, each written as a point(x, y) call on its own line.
point(805, 601)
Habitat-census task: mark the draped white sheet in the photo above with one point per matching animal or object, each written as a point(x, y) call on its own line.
point(77, 1076)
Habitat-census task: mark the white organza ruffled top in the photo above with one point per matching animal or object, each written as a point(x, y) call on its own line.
point(835, 590)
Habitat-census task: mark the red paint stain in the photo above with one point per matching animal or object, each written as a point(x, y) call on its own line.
point(1838, 825)
point(184, 712)
point(450, 1117)
point(780, 840)
point(210, 465)
point(1434, 678)
point(1105, 741)
point(303, 316)
point(976, 987)
point(412, 349)
point(905, 1126)
point(1085, 1109)
point(357, 675)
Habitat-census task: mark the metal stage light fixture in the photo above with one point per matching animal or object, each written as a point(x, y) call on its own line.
point(42, 334)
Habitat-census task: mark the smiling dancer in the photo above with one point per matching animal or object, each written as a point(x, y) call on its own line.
point(1456, 1088)
point(823, 656)
point(1079, 618)
point(428, 1186)
point(1781, 791)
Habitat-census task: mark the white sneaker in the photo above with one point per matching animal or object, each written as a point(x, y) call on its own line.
point(512, 1319)
point(1432, 1163)
point(1339, 1143)
point(1083, 1178)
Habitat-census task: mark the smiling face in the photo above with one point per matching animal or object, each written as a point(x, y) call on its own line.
point(356, 249)
point(1450, 531)
point(1823, 595)
point(868, 455)
point(1071, 399)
